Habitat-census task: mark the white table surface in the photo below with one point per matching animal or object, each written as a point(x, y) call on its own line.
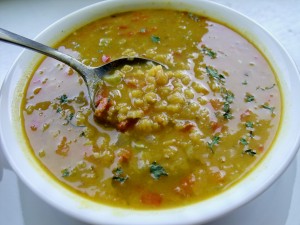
point(279, 205)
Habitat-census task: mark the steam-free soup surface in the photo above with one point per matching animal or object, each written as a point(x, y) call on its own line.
point(159, 137)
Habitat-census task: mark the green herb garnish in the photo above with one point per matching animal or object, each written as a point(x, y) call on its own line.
point(227, 112)
point(63, 99)
point(209, 52)
point(155, 39)
point(249, 98)
point(215, 140)
point(213, 73)
point(268, 108)
point(228, 97)
point(245, 82)
point(251, 134)
point(243, 141)
point(143, 30)
point(249, 124)
point(65, 173)
point(194, 17)
point(68, 118)
point(157, 171)
point(250, 152)
point(118, 175)
point(266, 88)
point(59, 110)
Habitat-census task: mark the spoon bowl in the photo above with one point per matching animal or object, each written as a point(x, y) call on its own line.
point(91, 75)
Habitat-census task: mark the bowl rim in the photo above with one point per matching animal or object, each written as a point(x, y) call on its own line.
point(182, 215)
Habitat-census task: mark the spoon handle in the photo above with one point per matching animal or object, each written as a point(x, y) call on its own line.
point(16, 39)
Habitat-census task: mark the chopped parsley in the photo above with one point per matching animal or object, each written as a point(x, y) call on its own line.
point(155, 39)
point(227, 112)
point(157, 171)
point(249, 98)
point(194, 17)
point(215, 140)
point(65, 172)
point(209, 52)
point(251, 134)
point(143, 30)
point(118, 175)
point(228, 97)
point(213, 73)
point(63, 99)
point(68, 118)
point(250, 152)
point(243, 141)
point(249, 124)
point(245, 82)
point(268, 108)
point(59, 110)
point(266, 88)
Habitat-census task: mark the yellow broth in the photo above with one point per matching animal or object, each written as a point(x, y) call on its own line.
point(195, 128)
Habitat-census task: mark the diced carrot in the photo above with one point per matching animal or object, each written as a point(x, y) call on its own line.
point(130, 33)
point(101, 94)
point(126, 124)
point(151, 198)
point(105, 58)
point(122, 27)
point(127, 33)
point(124, 155)
point(216, 126)
point(98, 99)
point(122, 126)
point(188, 127)
point(261, 148)
point(177, 54)
point(102, 107)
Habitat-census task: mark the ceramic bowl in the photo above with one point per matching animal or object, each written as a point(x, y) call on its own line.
point(273, 165)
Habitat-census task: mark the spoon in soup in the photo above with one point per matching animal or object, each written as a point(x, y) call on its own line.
point(91, 75)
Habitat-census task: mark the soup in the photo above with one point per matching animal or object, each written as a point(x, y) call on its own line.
point(159, 137)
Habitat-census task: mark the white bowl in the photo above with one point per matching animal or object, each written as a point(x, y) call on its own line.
point(273, 165)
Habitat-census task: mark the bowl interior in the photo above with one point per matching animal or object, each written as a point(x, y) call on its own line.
point(282, 152)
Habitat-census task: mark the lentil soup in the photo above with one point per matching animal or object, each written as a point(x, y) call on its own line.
point(159, 138)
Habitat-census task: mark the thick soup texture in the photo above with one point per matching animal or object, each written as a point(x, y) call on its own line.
point(159, 137)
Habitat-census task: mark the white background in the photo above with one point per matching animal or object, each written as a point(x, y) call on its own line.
point(279, 205)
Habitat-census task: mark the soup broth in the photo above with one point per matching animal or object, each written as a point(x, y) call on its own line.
point(160, 137)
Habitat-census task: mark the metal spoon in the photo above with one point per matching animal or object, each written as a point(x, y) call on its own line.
point(91, 75)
